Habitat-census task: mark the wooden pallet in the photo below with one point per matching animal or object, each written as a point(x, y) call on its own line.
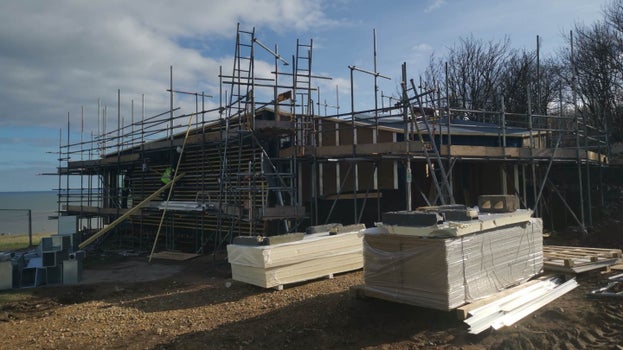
point(617, 267)
point(578, 259)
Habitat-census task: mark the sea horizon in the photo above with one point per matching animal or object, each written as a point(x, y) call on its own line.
point(13, 211)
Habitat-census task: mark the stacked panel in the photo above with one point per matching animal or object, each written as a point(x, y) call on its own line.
point(445, 273)
point(316, 255)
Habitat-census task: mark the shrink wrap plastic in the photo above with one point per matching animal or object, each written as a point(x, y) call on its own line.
point(445, 273)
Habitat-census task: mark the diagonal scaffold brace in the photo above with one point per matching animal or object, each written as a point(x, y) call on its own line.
point(129, 213)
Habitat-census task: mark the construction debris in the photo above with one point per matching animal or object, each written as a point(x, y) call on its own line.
point(578, 259)
point(508, 309)
point(614, 289)
point(57, 260)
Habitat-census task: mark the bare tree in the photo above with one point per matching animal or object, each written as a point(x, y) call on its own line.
point(520, 76)
point(595, 65)
point(474, 72)
point(479, 73)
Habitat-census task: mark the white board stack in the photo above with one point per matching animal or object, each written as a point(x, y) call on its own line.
point(316, 255)
point(446, 272)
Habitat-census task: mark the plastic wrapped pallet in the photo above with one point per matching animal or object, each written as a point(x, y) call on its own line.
point(316, 255)
point(445, 273)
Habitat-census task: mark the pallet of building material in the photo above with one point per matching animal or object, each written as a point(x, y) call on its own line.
point(578, 259)
point(445, 273)
point(315, 256)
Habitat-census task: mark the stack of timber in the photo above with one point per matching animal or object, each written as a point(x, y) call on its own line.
point(316, 255)
point(447, 264)
point(578, 259)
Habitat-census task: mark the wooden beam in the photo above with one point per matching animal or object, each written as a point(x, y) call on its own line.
point(518, 152)
point(366, 149)
point(129, 212)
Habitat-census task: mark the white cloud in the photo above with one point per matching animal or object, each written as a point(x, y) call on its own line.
point(58, 56)
point(434, 5)
point(422, 49)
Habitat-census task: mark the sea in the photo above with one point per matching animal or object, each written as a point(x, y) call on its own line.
point(14, 212)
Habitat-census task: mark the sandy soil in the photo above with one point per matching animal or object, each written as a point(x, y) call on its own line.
point(129, 304)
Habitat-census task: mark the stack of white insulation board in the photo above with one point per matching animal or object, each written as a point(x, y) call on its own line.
point(451, 263)
point(316, 255)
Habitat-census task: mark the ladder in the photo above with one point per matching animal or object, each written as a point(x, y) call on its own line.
point(241, 98)
point(303, 105)
point(239, 112)
point(433, 158)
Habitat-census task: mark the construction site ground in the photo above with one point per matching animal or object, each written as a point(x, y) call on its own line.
point(126, 303)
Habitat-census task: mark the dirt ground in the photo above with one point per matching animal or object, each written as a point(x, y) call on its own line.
point(130, 304)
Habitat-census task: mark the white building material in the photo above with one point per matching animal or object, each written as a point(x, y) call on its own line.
point(316, 255)
point(445, 273)
point(513, 307)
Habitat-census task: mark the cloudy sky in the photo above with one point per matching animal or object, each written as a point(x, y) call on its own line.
point(60, 57)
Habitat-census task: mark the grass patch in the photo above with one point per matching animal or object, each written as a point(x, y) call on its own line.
point(12, 296)
point(18, 242)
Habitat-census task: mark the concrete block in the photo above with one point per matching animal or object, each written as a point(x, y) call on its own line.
point(72, 271)
point(48, 259)
point(75, 241)
point(61, 242)
point(411, 218)
point(17, 272)
point(54, 274)
point(55, 243)
point(47, 244)
point(32, 277)
point(501, 203)
point(6, 275)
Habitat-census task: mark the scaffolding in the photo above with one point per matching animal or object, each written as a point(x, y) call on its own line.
point(264, 162)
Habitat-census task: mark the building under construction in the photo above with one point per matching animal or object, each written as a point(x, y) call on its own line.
point(267, 162)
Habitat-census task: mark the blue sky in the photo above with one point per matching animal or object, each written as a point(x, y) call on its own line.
point(61, 56)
